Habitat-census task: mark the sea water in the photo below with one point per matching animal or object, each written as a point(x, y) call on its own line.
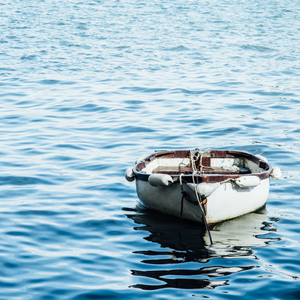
point(87, 87)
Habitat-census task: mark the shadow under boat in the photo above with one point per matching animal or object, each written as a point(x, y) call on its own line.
point(184, 242)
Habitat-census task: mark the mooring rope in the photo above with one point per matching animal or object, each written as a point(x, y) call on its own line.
point(198, 154)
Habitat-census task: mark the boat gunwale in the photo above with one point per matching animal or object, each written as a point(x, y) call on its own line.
point(208, 178)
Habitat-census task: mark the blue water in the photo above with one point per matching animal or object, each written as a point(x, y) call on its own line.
point(87, 87)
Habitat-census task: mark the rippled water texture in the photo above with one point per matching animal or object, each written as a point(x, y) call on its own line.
point(87, 87)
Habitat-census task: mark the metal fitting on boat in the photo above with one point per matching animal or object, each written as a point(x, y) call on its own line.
point(160, 180)
point(129, 175)
point(276, 173)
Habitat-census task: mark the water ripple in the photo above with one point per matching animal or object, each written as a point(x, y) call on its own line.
point(86, 88)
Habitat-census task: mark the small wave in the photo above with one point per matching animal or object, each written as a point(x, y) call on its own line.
point(23, 180)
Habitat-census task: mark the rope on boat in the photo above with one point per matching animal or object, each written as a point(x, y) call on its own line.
point(195, 155)
point(193, 160)
point(185, 196)
point(201, 207)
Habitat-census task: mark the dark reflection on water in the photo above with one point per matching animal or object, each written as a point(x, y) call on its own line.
point(181, 283)
point(186, 244)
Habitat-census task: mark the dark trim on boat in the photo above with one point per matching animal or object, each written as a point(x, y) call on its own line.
point(208, 178)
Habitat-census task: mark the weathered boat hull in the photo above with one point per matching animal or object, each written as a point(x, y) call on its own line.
point(208, 196)
point(227, 202)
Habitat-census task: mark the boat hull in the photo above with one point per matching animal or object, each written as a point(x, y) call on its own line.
point(208, 186)
point(228, 201)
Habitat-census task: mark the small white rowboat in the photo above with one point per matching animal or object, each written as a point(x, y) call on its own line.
point(203, 186)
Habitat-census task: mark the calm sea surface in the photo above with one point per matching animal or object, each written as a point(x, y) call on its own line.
point(87, 87)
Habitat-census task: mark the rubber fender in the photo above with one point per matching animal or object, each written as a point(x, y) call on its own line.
point(160, 180)
point(206, 188)
point(276, 173)
point(129, 175)
point(247, 181)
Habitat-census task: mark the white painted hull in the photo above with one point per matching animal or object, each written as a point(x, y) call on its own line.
point(206, 187)
point(228, 201)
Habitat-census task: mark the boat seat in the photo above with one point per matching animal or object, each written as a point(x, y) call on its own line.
point(176, 170)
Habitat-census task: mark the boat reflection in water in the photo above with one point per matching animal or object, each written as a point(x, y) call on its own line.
point(187, 243)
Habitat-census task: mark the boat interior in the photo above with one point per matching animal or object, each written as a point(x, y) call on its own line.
point(212, 162)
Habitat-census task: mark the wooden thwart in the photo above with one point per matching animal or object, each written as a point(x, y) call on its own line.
point(172, 170)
